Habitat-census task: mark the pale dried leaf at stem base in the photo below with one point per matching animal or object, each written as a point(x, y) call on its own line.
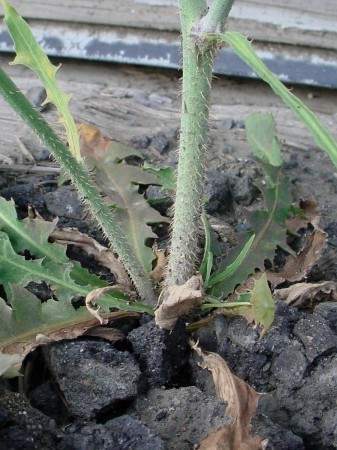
point(307, 294)
point(103, 255)
point(177, 301)
point(242, 401)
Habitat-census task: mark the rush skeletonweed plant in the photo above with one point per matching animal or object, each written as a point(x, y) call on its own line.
point(190, 279)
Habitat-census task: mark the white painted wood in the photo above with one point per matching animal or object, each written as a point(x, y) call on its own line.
point(310, 22)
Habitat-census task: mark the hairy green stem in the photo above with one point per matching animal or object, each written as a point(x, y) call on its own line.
point(83, 182)
point(197, 77)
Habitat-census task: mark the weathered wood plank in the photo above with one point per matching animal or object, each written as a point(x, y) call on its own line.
point(309, 23)
point(128, 103)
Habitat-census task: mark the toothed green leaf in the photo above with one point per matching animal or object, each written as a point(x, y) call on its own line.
point(268, 224)
point(165, 176)
point(33, 234)
point(25, 318)
point(15, 269)
point(263, 305)
point(31, 55)
point(120, 182)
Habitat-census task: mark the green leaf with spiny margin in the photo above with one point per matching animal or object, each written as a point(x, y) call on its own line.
point(119, 182)
point(263, 304)
point(33, 234)
point(30, 234)
point(31, 55)
point(25, 317)
point(15, 269)
point(165, 176)
point(243, 48)
point(268, 224)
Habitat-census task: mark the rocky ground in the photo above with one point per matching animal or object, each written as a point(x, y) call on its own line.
point(146, 390)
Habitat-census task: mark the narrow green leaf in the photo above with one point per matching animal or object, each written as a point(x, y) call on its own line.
point(243, 48)
point(207, 260)
point(31, 55)
point(234, 266)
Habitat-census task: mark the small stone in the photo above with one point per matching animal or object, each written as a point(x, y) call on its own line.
point(160, 142)
point(316, 335)
point(190, 415)
point(141, 141)
point(122, 433)
point(65, 202)
point(93, 376)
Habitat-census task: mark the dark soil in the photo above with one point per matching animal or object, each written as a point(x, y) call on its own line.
point(147, 391)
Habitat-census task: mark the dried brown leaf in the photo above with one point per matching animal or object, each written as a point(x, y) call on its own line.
point(241, 401)
point(307, 294)
point(69, 331)
point(92, 141)
point(103, 255)
point(310, 216)
point(12, 355)
point(297, 267)
point(96, 294)
point(177, 301)
point(110, 334)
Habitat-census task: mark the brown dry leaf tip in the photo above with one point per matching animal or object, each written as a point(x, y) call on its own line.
point(157, 274)
point(242, 401)
point(92, 141)
point(110, 334)
point(94, 295)
point(103, 255)
point(177, 301)
point(297, 267)
point(310, 216)
point(306, 294)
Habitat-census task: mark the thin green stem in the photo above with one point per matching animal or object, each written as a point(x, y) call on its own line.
point(215, 19)
point(83, 182)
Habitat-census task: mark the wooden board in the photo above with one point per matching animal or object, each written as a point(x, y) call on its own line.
point(131, 104)
point(298, 40)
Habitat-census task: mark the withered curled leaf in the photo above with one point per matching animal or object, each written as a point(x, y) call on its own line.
point(307, 294)
point(177, 301)
point(242, 401)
